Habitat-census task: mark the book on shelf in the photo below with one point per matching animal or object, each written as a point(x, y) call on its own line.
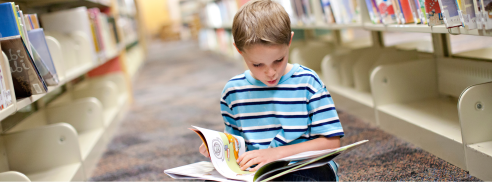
point(406, 11)
point(373, 14)
point(477, 7)
point(398, 14)
point(40, 48)
point(466, 14)
point(32, 21)
point(5, 89)
point(414, 9)
point(8, 22)
point(387, 11)
point(25, 75)
point(487, 13)
point(327, 13)
point(421, 10)
point(450, 13)
point(224, 150)
point(434, 14)
point(23, 27)
point(340, 11)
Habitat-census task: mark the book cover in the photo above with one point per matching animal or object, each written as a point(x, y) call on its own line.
point(477, 7)
point(407, 11)
point(8, 22)
point(450, 13)
point(327, 13)
point(49, 78)
point(387, 11)
point(487, 13)
point(25, 75)
point(434, 14)
point(38, 41)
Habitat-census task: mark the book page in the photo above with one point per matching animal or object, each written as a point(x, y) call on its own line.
point(224, 149)
point(199, 170)
point(317, 153)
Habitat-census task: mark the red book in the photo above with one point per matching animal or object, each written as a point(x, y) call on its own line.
point(407, 11)
point(433, 11)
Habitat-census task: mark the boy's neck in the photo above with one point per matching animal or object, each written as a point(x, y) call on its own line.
point(288, 68)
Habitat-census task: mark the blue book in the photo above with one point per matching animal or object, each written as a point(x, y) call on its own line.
point(38, 41)
point(8, 22)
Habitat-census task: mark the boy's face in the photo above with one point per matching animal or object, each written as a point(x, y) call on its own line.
point(267, 63)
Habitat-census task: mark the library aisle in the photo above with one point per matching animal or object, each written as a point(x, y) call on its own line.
point(179, 86)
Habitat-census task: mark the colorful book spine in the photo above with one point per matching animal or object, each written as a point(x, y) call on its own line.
point(421, 10)
point(487, 13)
point(387, 12)
point(376, 9)
point(415, 14)
point(396, 8)
point(433, 11)
point(372, 14)
point(450, 13)
point(407, 11)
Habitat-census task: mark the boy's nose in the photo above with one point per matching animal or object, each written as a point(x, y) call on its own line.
point(271, 72)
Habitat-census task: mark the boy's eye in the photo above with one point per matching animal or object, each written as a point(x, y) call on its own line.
point(280, 60)
point(256, 65)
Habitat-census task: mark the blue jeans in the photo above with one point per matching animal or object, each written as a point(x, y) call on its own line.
point(328, 172)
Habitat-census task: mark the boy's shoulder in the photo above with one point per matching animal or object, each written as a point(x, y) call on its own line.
point(236, 81)
point(308, 76)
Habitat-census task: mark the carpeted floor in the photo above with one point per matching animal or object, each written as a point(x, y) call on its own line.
point(180, 86)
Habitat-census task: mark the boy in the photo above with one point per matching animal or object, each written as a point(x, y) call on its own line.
point(280, 109)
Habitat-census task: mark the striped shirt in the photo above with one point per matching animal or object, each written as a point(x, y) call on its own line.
point(298, 109)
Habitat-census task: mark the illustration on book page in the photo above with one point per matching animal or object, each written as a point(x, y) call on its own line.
point(224, 150)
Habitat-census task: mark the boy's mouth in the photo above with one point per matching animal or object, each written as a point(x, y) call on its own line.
point(272, 82)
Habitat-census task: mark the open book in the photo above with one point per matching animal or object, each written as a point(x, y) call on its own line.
point(225, 148)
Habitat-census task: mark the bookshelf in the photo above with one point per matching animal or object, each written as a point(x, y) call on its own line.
point(419, 89)
point(60, 135)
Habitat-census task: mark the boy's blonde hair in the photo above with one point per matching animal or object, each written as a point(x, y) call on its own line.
point(261, 22)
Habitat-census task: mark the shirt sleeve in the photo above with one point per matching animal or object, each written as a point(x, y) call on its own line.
point(231, 126)
point(324, 117)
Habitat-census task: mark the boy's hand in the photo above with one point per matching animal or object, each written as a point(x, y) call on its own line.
point(260, 157)
point(203, 150)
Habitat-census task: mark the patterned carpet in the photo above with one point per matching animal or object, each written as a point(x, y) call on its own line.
point(180, 86)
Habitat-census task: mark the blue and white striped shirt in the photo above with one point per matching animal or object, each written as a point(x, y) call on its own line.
point(298, 109)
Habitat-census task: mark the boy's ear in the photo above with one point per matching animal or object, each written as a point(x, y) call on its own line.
point(291, 36)
point(237, 48)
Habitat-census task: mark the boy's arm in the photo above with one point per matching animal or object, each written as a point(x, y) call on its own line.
point(264, 156)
